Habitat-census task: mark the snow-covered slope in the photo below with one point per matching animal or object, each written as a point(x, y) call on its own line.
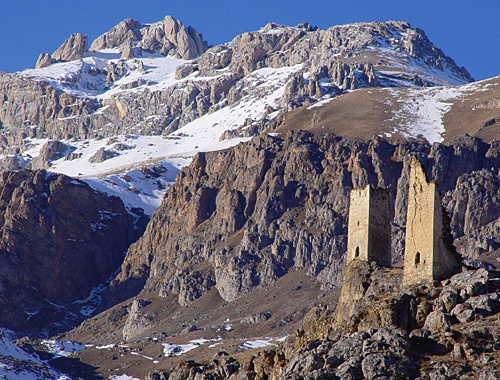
point(16, 364)
point(87, 76)
point(434, 114)
point(122, 175)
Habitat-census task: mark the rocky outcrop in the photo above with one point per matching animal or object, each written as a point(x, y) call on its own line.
point(381, 330)
point(59, 239)
point(127, 29)
point(167, 37)
point(238, 220)
point(13, 162)
point(102, 155)
point(44, 60)
point(36, 109)
point(51, 150)
point(72, 49)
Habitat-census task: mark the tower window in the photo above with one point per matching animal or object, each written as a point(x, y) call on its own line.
point(417, 258)
point(356, 253)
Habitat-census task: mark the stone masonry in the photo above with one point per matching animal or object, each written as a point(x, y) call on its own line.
point(427, 257)
point(369, 230)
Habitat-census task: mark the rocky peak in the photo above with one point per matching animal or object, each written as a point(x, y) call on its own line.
point(72, 49)
point(309, 64)
point(127, 29)
point(167, 37)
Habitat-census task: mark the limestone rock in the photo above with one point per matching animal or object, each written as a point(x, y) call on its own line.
point(138, 320)
point(10, 163)
point(127, 50)
point(256, 318)
point(331, 60)
point(167, 37)
point(72, 49)
point(43, 60)
point(51, 150)
point(102, 155)
point(115, 71)
point(282, 210)
point(125, 30)
point(437, 321)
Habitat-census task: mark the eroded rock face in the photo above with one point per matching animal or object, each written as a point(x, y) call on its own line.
point(59, 239)
point(117, 35)
point(72, 49)
point(34, 108)
point(167, 37)
point(238, 220)
point(44, 60)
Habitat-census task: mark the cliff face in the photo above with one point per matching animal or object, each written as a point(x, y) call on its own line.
point(240, 219)
point(58, 239)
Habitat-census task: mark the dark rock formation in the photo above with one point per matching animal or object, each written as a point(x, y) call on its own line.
point(242, 218)
point(59, 239)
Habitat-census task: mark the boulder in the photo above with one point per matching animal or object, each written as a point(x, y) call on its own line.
point(102, 155)
point(437, 321)
point(44, 60)
point(51, 150)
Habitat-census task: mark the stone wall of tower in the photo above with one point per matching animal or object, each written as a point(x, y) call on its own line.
point(357, 230)
point(369, 229)
point(426, 256)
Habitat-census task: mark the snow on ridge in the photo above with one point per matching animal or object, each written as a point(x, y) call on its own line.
point(87, 78)
point(16, 364)
point(9, 349)
point(122, 176)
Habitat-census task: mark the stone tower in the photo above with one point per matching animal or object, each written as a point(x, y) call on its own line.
point(427, 257)
point(369, 230)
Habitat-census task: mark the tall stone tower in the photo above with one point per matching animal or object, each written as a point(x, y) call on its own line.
point(369, 229)
point(427, 257)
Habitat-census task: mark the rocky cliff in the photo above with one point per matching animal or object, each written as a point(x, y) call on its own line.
point(237, 220)
point(279, 66)
point(59, 239)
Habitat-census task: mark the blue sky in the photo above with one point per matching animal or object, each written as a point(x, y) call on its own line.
point(468, 31)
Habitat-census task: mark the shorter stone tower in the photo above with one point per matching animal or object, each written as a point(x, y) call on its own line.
point(427, 257)
point(369, 230)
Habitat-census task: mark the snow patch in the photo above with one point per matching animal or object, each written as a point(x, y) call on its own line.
point(420, 112)
point(62, 348)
